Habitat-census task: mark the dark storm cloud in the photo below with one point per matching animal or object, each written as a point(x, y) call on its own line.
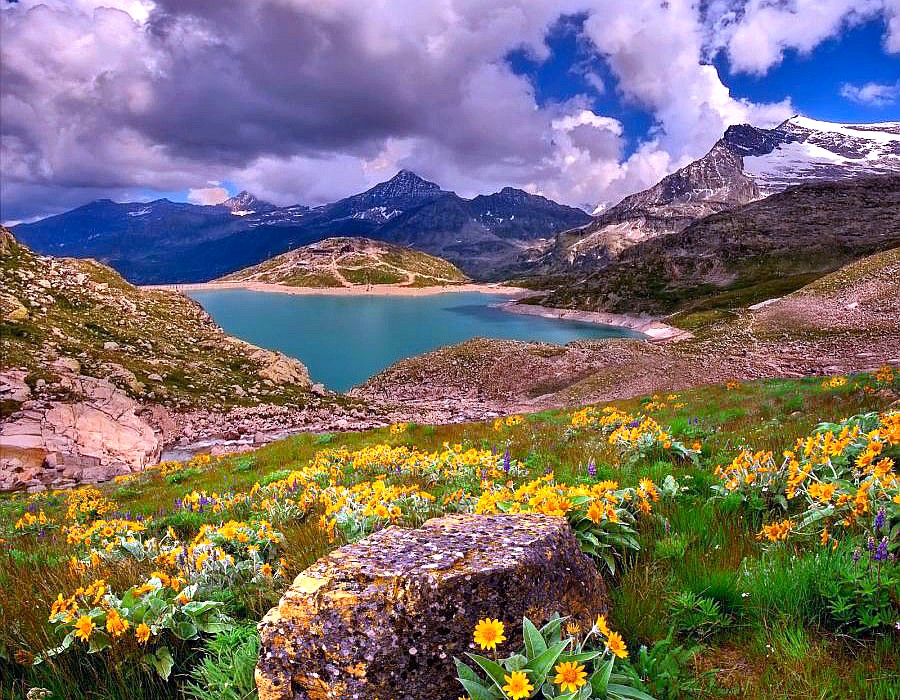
point(306, 101)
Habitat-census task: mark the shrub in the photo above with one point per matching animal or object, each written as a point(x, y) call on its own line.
point(226, 670)
point(696, 616)
point(664, 670)
point(555, 666)
point(862, 595)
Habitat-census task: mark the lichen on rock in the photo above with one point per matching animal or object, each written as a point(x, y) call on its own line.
point(384, 617)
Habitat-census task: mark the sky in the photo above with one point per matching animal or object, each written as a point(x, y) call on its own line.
point(304, 101)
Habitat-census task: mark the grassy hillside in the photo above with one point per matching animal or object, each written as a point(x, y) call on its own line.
point(156, 345)
point(761, 612)
point(740, 257)
point(345, 262)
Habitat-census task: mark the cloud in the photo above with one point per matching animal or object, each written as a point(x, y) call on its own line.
point(872, 94)
point(207, 195)
point(756, 33)
point(302, 101)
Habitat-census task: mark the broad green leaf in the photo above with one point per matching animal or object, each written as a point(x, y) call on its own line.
point(477, 691)
point(600, 679)
point(494, 670)
point(540, 666)
point(465, 671)
point(161, 661)
point(534, 640)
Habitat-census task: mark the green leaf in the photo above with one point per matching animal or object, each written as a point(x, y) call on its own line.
point(162, 662)
point(534, 640)
point(185, 629)
point(540, 666)
point(198, 607)
point(477, 691)
point(465, 671)
point(600, 679)
point(627, 692)
point(580, 658)
point(494, 670)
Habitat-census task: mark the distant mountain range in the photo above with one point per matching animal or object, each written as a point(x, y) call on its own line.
point(746, 164)
point(164, 241)
point(508, 233)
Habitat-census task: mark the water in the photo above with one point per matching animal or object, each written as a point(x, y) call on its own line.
point(344, 340)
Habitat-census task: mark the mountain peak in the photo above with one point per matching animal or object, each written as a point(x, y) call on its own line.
point(246, 203)
point(410, 179)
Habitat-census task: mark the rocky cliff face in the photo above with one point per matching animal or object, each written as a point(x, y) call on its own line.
point(746, 164)
point(765, 248)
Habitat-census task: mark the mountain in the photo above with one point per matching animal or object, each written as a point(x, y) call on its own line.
point(753, 252)
point(746, 164)
point(164, 242)
point(244, 204)
point(348, 262)
point(486, 236)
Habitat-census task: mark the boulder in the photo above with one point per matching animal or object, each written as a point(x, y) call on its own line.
point(383, 618)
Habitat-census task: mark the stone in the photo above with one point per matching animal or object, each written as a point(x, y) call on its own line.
point(66, 364)
point(110, 345)
point(346, 626)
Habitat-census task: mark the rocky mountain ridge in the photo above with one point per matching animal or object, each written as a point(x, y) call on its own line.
point(165, 242)
point(746, 164)
point(765, 248)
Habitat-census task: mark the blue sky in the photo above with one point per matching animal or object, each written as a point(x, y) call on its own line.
point(812, 81)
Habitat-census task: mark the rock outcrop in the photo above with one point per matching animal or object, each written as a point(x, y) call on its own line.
point(93, 436)
point(383, 618)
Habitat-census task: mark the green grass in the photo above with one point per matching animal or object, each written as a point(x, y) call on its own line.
point(778, 641)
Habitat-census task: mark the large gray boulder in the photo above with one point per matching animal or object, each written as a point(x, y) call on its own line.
point(383, 618)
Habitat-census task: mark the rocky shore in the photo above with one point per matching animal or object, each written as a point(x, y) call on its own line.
point(652, 328)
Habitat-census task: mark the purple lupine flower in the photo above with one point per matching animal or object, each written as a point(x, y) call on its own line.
point(880, 517)
point(494, 450)
point(870, 544)
point(592, 468)
point(856, 555)
point(881, 553)
point(507, 460)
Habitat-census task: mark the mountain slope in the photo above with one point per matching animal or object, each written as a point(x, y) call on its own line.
point(761, 249)
point(746, 164)
point(485, 236)
point(163, 241)
point(337, 262)
point(152, 344)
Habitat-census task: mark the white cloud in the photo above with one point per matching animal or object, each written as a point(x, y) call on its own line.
point(303, 102)
point(872, 94)
point(757, 33)
point(207, 195)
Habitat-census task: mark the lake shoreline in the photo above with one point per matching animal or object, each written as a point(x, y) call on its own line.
point(387, 290)
point(652, 328)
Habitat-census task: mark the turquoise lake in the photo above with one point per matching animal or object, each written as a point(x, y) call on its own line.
point(344, 340)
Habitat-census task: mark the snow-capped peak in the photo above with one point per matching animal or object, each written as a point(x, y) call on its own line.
point(802, 149)
point(245, 203)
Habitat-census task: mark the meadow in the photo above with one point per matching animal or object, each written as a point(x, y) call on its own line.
point(748, 532)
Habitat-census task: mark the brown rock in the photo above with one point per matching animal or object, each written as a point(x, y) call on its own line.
point(383, 618)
